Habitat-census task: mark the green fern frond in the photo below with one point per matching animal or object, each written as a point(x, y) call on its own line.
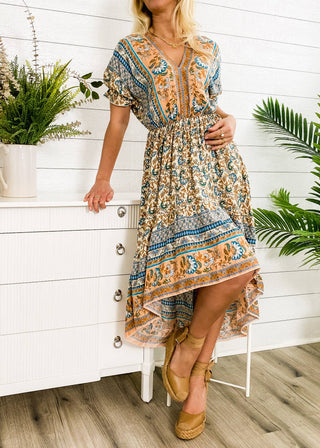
point(28, 118)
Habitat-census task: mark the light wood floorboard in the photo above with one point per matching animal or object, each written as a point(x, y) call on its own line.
point(283, 409)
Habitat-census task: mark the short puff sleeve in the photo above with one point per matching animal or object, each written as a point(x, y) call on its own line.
point(215, 87)
point(117, 78)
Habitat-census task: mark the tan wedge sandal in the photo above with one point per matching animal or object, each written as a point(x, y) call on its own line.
point(188, 425)
point(178, 386)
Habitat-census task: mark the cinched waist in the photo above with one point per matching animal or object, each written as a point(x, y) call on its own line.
point(185, 122)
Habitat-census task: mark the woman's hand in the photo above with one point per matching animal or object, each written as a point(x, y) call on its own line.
point(99, 194)
point(225, 126)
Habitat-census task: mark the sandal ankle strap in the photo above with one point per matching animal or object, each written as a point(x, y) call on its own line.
point(203, 369)
point(199, 368)
point(190, 339)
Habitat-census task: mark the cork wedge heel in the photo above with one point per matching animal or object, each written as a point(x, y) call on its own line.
point(177, 386)
point(189, 426)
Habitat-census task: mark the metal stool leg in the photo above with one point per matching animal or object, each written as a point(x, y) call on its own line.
point(248, 367)
point(248, 361)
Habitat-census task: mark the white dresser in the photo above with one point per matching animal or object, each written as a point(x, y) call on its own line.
point(64, 274)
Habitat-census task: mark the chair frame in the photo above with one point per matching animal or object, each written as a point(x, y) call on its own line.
point(215, 356)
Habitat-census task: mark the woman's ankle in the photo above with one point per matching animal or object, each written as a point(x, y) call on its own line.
point(184, 359)
point(189, 352)
point(196, 400)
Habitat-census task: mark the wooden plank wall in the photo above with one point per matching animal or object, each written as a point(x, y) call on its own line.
point(268, 48)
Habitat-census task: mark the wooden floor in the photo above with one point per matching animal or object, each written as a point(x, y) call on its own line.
point(283, 409)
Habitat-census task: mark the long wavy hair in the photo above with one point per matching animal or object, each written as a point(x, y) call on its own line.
point(182, 20)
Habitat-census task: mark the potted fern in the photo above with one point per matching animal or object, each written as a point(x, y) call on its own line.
point(31, 99)
point(299, 228)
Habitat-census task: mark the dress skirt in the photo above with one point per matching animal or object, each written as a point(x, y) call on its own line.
point(195, 229)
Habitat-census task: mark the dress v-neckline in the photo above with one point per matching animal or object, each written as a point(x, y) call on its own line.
point(166, 56)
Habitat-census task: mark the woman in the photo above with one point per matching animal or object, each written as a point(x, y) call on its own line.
point(195, 274)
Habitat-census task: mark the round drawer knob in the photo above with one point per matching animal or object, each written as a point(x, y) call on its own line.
point(120, 249)
point(121, 211)
point(117, 296)
point(117, 342)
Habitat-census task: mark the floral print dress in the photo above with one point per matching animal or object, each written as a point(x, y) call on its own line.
point(195, 224)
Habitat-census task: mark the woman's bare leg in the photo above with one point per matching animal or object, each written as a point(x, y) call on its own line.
point(196, 400)
point(210, 305)
point(210, 341)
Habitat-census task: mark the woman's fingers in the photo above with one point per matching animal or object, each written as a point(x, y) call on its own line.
point(92, 201)
point(213, 136)
point(221, 141)
point(90, 198)
point(219, 144)
point(110, 196)
point(217, 126)
point(105, 198)
point(96, 202)
point(217, 134)
point(96, 199)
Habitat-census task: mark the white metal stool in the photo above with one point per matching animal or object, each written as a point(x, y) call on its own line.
point(248, 369)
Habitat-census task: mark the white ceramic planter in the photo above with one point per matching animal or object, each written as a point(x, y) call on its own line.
point(18, 177)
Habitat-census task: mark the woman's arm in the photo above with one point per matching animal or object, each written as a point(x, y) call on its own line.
point(118, 123)
point(222, 113)
point(101, 190)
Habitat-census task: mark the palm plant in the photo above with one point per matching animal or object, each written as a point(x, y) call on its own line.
point(299, 228)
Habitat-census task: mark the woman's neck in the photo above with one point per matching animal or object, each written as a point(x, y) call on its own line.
point(162, 24)
point(167, 32)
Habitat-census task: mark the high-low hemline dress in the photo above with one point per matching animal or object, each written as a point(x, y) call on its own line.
point(195, 223)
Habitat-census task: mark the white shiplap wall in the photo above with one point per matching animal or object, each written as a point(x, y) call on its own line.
point(268, 48)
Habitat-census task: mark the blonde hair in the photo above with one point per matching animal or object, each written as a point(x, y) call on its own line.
point(182, 20)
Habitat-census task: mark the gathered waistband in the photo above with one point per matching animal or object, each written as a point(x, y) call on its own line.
point(186, 121)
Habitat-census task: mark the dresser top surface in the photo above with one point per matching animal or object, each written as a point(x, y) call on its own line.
point(66, 199)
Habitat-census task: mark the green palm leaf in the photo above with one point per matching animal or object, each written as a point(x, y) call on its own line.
point(315, 189)
point(294, 132)
point(297, 228)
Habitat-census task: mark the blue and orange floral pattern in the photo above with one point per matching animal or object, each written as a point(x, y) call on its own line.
point(195, 224)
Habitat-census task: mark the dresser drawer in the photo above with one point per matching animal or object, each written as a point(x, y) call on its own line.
point(39, 306)
point(114, 350)
point(39, 256)
point(113, 293)
point(47, 354)
point(117, 251)
point(47, 305)
point(35, 219)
